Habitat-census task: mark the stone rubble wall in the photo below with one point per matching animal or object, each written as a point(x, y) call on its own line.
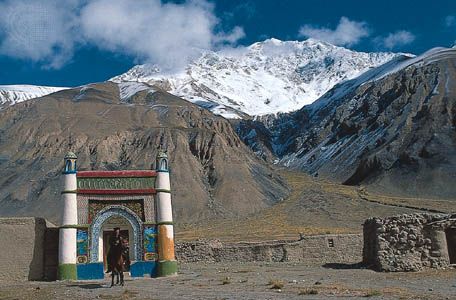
point(347, 249)
point(406, 242)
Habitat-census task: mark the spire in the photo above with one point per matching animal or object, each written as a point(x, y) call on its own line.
point(163, 144)
point(70, 142)
point(162, 160)
point(70, 163)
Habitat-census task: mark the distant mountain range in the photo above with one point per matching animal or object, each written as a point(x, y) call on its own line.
point(214, 173)
point(267, 77)
point(393, 127)
point(382, 120)
point(12, 94)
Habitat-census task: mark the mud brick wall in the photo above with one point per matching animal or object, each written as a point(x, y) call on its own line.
point(408, 242)
point(22, 251)
point(51, 253)
point(320, 249)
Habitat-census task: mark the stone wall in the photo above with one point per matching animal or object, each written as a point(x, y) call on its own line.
point(30, 250)
point(320, 249)
point(409, 242)
point(22, 252)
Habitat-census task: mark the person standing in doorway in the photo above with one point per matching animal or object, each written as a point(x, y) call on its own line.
point(115, 240)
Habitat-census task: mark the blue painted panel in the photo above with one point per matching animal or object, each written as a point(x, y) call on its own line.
point(149, 239)
point(90, 271)
point(143, 269)
point(82, 242)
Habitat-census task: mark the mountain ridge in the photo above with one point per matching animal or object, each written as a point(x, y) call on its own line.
point(214, 175)
point(266, 77)
point(12, 94)
point(393, 127)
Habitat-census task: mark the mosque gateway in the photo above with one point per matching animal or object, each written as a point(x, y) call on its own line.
point(95, 202)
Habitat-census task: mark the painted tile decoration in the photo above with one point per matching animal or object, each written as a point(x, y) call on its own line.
point(83, 205)
point(150, 245)
point(106, 213)
point(82, 245)
point(95, 206)
point(127, 183)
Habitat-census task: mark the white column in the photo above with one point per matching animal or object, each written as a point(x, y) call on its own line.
point(167, 264)
point(164, 206)
point(67, 241)
point(69, 221)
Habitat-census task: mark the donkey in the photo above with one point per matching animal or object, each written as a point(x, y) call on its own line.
point(117, 262)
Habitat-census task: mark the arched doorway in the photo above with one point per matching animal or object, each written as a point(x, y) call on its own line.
point(111, 217)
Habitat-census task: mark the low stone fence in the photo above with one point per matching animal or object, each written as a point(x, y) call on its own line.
point(410, 242)
point(30, 250)
point(321, 249)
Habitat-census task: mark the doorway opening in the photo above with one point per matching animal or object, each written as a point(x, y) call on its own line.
point(108, 230)
point(451, 242)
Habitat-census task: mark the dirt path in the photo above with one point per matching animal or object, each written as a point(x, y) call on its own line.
point(252, 281)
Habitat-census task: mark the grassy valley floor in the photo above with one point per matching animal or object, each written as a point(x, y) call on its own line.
point(314, 206)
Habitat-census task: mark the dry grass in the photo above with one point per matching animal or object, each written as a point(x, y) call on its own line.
point(125, 295)
point(276, 284)
point(269, 224)
point(276, 223)
point(308, 291)
point(445, 206)
point(226, 280)
point(373, 293)
point(341, 290)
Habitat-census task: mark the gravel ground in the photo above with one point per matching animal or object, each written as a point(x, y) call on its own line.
point(252, 281)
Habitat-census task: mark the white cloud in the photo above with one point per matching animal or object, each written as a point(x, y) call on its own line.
point(230, 38)
point(41, 31)
point(48, 31)
point(347, 32)
point(396, 39)
point(450, 21)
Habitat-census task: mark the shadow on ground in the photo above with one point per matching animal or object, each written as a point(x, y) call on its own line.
point(88, 286)
point(341, 266)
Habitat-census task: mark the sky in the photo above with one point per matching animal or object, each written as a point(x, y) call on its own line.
point(74, 42)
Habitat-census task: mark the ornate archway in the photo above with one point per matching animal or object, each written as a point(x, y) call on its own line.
point(106, 213)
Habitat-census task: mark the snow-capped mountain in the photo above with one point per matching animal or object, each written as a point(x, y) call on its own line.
point(265, 78)
point(12, 94)
point(393, 126)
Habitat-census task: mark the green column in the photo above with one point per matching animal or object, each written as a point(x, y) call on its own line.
point(167, 268)
point(67, 272)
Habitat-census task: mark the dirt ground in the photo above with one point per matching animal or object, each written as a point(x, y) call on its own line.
point(252, 281)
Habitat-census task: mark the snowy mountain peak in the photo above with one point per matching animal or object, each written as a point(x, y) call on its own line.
point(266, 77)
point(12, 94)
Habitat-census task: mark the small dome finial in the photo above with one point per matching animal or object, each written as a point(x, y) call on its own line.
point(71, 155)
point(162, 154)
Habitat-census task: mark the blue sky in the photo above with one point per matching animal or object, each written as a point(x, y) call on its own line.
point(73, 42)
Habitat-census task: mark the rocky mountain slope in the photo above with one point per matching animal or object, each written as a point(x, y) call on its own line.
point(213, 173)
point(393, 128)
point(12, 94)
point(267, 77)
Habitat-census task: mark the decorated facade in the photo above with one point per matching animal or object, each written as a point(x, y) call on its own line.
point(96, 202)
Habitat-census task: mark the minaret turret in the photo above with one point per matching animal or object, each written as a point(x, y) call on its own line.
point(69, 222)
point(167, 264)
